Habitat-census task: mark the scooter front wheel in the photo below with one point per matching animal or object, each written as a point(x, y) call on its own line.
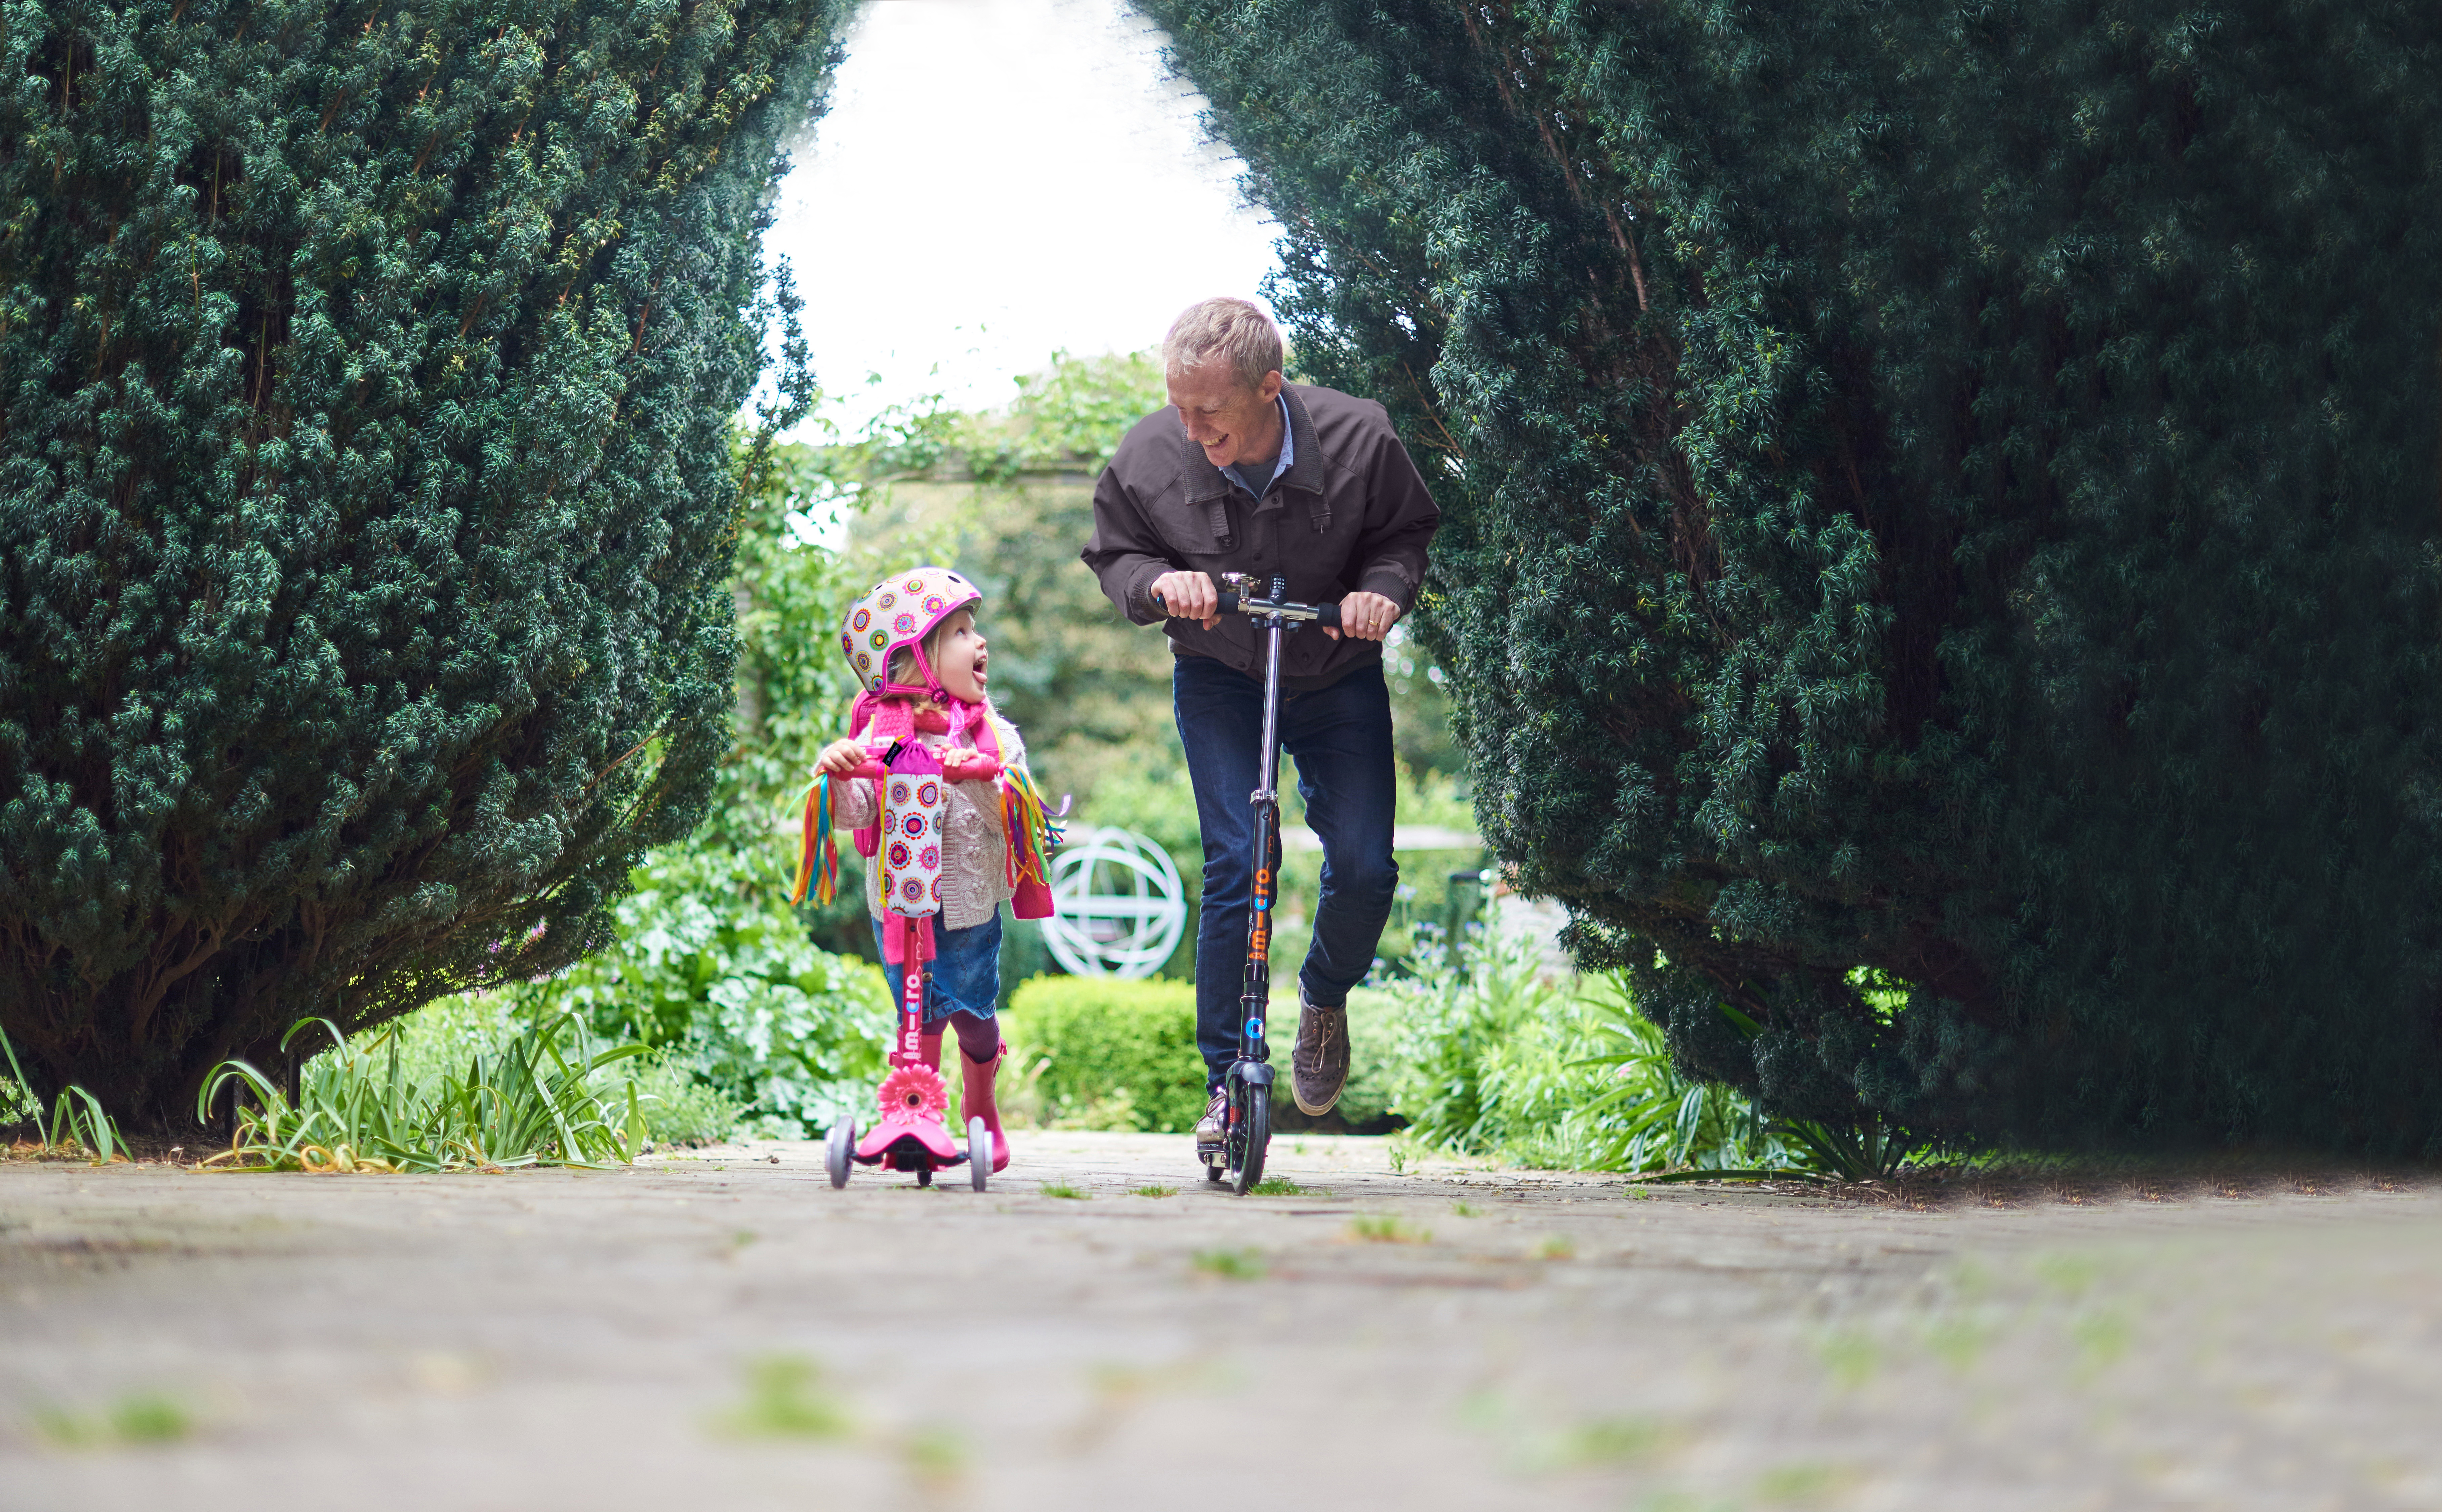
point(838, 1150)
point(978, 1152)
point(1255, 1137)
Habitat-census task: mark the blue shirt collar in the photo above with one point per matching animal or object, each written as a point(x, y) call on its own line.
point(1288, 455)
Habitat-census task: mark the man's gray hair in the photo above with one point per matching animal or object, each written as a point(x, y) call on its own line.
point(1232, 332)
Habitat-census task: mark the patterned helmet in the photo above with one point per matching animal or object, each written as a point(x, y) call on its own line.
point(902, 611)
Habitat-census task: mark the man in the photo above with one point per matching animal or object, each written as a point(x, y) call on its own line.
point(1246, 473)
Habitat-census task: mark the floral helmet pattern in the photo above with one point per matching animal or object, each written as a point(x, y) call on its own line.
point(900, 611)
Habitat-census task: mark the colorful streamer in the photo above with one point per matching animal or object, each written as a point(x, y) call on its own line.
point(818, 856)
point(1034, 834)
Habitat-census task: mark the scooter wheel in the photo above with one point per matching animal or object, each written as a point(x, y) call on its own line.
point(1257, 1139)
point(838, 1150)
point(978, 1153)
point(923, 1175)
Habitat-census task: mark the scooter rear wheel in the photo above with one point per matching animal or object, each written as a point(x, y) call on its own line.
point(839, 1149)
point(978, 1152)
point(1251, 1139)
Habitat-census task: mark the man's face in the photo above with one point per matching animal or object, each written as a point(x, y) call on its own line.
point(1232, 423)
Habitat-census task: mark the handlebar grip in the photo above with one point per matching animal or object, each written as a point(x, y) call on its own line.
point(1327, 614)
point(1229, 604)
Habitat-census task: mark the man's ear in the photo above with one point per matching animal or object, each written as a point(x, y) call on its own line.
point(1271, 386)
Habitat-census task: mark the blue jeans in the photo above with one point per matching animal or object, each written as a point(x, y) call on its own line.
point(966, 973)
point(1340, 737)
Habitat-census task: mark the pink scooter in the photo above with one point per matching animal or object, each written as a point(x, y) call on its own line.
point(914, 1133)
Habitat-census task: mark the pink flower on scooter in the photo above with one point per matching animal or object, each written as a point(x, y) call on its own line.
point(913, 1092)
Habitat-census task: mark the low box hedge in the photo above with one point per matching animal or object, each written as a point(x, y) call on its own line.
point(1122, 1053)
point(1122, 1056)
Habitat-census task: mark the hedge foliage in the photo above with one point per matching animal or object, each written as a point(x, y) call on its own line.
point(1118, 1052)
point(1947, 488)
point(366, 494)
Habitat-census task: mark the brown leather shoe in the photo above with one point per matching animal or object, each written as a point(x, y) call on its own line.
point(1319, 1064)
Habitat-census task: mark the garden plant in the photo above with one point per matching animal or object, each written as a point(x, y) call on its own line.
point(367, 496)
point(1947, 490)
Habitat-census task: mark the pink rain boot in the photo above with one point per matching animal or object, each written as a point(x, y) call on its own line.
point(977, 1102)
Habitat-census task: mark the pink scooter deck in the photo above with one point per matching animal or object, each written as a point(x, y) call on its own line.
point(914, 1098)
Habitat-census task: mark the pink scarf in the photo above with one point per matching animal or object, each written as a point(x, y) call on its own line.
point(877, 718)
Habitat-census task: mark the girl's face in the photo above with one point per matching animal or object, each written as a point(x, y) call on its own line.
point(959, 656)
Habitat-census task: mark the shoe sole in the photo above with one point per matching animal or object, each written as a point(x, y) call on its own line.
point(1310, 1110)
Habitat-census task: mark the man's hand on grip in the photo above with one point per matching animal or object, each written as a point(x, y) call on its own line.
point(1188, 597)
point(1366, 616)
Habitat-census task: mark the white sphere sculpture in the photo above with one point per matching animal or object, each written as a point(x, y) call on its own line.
point(1117, 906)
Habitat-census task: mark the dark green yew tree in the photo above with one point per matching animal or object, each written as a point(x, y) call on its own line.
point(365, 494)
point(1942, 487)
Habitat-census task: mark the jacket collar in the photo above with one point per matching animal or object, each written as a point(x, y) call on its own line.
point(1208, 487)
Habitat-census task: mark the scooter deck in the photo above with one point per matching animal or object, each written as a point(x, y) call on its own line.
point(908, 1153)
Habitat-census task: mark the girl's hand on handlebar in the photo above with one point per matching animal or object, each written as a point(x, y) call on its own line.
point(841, 758)
point(1366, 616)
point(1188, 596)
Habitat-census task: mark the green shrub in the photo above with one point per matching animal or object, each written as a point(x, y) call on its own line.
point(675, 1095)
point(1120, 1055)
point(712, 966)
point(1947, 488)
point(681, 1104)
point(1373, 1031)
point(1486, 1058)
point(366, 496)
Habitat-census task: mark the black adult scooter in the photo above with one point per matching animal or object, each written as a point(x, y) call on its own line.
point(1239, 1157)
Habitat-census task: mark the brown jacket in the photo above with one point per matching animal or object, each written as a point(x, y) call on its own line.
point(1350, 514)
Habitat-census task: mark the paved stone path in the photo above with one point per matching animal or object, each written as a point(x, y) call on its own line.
point(726, 1332)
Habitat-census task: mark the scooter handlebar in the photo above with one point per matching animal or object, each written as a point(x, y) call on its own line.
point(1326, 614)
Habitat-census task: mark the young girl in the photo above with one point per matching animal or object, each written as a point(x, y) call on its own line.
point(923, 668)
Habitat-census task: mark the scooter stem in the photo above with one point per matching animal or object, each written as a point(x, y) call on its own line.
point(1267, 783)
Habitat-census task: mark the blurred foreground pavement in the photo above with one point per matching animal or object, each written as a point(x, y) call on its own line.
point(717, 1331)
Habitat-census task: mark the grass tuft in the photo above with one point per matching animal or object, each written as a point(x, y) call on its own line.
point(1612, 1441)
point(141, 1418)
point(1466, 1209)
point(539, 1099)
point(1805, 1484)
point(1555, 1246)
point(935, 1456)
point(1230, 1264)
point(1849, 1357)
point(1386, 1228)
point(1282, 1187)
point(1153, 1192)
point(77, 1124)
point(786, 1398)
point(1062, 1189)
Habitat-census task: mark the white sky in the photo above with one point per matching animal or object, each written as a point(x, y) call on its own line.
point(997, 178)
